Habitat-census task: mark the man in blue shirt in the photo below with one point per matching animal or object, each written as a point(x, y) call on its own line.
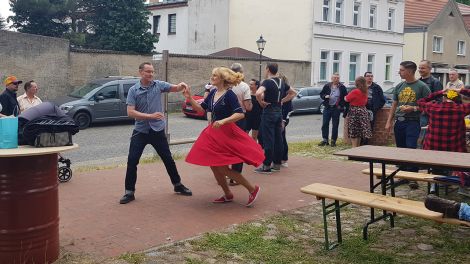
point(144, 105)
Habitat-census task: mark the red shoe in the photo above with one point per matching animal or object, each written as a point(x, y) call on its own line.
point(253, 196)
point(223, 199)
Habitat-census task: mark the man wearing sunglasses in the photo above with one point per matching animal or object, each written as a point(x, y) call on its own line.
point(9, 104)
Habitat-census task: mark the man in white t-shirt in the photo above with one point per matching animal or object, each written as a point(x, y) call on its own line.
point(454, 82)
point(243, 93)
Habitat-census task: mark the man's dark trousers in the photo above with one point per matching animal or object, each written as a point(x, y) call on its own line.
point(242, 125)
point(159, 142)
point(406, 136)
point(330, 113)
point(271, 128)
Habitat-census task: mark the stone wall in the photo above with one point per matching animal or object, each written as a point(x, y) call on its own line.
point(32, 57)
point(58, 69)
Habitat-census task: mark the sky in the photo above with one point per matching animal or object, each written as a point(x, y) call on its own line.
point(5, 8)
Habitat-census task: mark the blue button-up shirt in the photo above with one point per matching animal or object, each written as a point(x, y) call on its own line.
point(148, 100)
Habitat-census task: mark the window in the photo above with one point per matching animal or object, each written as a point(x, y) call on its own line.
point(356, 12)
point(156, 25)
point(336, 62)
point(388, 68)
point(353, 66)
point(338, 11)
point(323, 65)
point(370, 62)
point(437, 44)
point(373, 16)
point(461, 48)
point(326, 10)
point(126, 88)
point(391, 19)
point(172, 24)
point(314, 91)
point(109, 92)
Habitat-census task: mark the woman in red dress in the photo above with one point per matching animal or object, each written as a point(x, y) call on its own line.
point(223, 141)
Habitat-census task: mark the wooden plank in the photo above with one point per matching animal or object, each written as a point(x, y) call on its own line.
point(408, 175)
point(377, 201)
point(393, 155)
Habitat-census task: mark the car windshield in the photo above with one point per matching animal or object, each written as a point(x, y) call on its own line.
point(390, 90)
point(84, 90)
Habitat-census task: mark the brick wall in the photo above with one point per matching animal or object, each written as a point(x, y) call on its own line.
point(380, 136)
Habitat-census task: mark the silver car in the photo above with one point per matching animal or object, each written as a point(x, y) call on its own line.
point(99, 100)
point(307, 100)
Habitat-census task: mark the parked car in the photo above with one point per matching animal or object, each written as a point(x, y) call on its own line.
point(99, 100)
point(307, 100)
point(388, 94)
point(188, 109)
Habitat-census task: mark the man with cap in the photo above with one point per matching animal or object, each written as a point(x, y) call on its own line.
point(8, 100)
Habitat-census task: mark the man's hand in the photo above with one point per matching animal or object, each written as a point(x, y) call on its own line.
point(407, 108)
point(218, 123)
point(388, 127)
point(157, 115)
point(263, 104)
point(181, 86)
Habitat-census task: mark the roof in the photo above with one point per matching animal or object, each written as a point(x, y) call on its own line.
point(417, 16)
point(237, 53)
point(465, 10)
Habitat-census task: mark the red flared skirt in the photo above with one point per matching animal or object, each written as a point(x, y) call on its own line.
point(225, 145)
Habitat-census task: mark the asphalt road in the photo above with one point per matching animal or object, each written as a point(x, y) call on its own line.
point(108, 143)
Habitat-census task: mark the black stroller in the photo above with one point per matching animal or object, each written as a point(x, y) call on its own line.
point(64, 172)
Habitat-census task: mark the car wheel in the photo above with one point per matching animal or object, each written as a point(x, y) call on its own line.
point(83, 120)
point(321, 109)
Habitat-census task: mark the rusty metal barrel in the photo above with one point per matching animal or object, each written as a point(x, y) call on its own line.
point(29, 209)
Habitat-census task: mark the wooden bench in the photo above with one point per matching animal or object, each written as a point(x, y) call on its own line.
point(372, 200)
point(411, 176)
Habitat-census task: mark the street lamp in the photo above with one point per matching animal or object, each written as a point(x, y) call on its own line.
point(260, 43)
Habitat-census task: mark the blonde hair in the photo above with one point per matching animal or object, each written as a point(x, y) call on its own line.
point(230, 77)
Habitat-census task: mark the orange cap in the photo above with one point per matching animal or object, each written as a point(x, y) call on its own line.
point(11, 79)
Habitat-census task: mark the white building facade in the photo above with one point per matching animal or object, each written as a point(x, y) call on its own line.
point(354, 36)
point(335, 35)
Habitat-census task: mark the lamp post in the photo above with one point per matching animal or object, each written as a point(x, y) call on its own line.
point(260, 43)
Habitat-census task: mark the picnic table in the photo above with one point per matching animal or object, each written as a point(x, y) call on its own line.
point(29, 204)
point(444, 160)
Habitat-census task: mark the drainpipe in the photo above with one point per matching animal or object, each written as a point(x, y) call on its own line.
point(424, 42)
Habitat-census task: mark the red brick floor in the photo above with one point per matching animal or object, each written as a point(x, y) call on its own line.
point(93, 222)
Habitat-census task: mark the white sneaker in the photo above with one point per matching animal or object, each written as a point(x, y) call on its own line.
point(284, 164)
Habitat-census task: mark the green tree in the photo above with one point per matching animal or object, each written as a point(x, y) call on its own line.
point(3, 24)
point(467, 2)
point(120, 25)
point(42, 17)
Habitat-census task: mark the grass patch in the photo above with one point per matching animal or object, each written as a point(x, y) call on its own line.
point(311, 149)
point(133, 258)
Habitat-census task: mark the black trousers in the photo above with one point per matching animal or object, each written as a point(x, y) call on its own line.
point(159, 142)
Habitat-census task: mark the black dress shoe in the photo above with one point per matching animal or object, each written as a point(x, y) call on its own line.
point(181, 189)
point(323, 143)
point(333, 144)
point(447, 207)
point(127, 198)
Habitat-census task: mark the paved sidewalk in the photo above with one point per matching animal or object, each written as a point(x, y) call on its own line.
point(92, 221)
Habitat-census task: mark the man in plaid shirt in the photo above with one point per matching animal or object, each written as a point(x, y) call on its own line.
point(446, 130)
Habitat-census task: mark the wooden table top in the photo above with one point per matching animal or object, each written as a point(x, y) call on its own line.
point(393, 155)
point(22, 151)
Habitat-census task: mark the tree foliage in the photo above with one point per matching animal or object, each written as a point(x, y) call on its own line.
point(3, 24)
point(102, 24)
point(41, 17)
point(467, 2)
point(120, 25)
